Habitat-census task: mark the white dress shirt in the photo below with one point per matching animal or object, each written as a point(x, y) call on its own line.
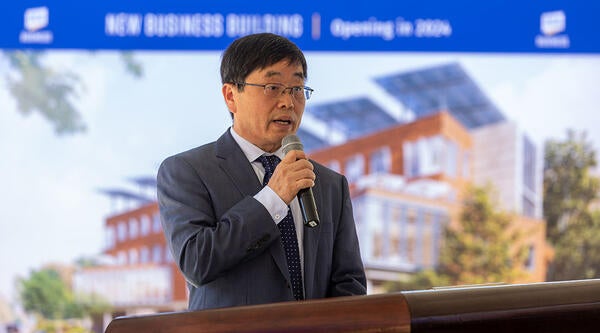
point(267, 197)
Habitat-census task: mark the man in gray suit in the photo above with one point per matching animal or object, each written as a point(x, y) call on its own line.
point(236, 241)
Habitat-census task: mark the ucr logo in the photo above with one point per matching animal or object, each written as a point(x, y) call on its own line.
point(36, 18)
point(552, 23)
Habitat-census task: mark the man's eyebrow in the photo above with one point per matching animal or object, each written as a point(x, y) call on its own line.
point(272, 73)
point(276, 73)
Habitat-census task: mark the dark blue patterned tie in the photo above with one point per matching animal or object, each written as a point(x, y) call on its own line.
point(288, 232)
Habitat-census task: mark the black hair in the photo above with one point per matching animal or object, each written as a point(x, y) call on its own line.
point(258, 51)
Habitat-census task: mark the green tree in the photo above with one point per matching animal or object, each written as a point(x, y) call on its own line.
point(482, 248)
point(36, 87)
point(577, 252)
point(568, 186)
point(569, 189)
point(46, 294)
point(39, 88)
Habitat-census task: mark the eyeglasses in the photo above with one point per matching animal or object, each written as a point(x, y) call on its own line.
point(275, 90)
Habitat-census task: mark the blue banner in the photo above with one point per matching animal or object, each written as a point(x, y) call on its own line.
point(424, 26)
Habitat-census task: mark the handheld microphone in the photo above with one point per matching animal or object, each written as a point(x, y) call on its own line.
point(305, 195)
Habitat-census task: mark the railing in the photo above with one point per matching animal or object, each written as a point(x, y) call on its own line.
point(569, 306)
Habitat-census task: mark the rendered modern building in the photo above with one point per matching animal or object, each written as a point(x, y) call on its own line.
point(444, 87)
point(140, 276)
point(406, 186)
point(407, 178)
point(506, 157)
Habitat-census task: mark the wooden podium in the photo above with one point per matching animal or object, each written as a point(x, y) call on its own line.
point(569, 306)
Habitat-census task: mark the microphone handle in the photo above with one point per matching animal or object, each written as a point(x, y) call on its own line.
point(308, 207)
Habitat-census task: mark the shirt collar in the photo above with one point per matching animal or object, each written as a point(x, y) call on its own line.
point(251, 151)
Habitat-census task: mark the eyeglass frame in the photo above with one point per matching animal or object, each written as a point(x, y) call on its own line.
point(307, 90)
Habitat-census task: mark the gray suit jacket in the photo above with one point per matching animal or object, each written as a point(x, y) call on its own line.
point(226, 243)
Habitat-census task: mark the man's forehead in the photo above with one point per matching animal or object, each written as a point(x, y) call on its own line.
point(278, 68)
point(278, 71)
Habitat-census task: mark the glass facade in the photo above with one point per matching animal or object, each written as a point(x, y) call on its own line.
point(530, 262)
point(399, 235)
point(529, 206)
point(529, 164)
point(429, 156)
point(380, 161)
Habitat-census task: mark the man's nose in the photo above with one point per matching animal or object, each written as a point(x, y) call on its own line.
point(286, 99)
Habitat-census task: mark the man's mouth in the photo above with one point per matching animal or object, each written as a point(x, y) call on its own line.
point(283, 121)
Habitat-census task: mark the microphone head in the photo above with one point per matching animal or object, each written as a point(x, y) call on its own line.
point(291, 142)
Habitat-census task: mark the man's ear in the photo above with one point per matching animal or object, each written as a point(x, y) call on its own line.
point(229, 96)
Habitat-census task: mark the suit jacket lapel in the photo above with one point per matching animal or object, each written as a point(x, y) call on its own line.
point(235, 164)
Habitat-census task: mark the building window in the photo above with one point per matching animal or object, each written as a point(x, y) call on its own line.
point(380, 161)
point(394, 231)
point(110, 237)
point(145, 225)
point(528, 207)
point(529, 166)
point(156, 227)
point(411, 162)
point(530, 262)
point(133, 228)
point(121, 231)
point(144, 255)
point(451, 158)
point(466, 165)
point(157, 254)
point(121, 258)
point(426, 238)
point(133, 256)
point(437, 150)
point(431, 155)
point(411, 236)
point(355, 168)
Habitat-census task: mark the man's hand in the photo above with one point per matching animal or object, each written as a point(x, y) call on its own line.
point(291, 175)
